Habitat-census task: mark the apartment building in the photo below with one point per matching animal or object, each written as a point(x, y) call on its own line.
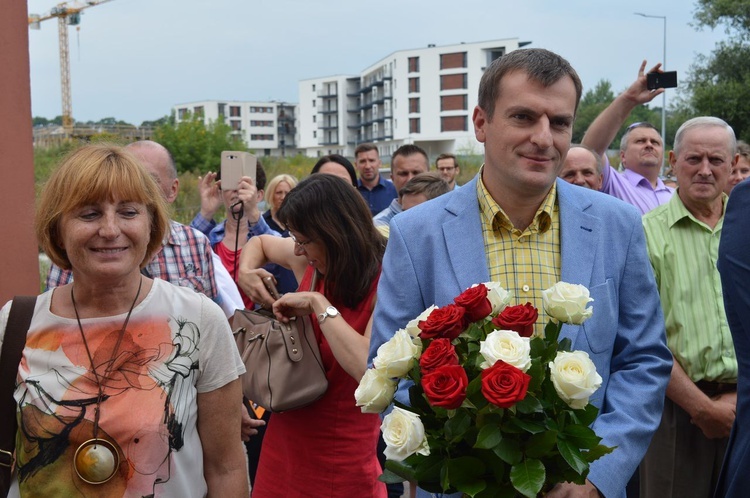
point(420, 96)
point(268, 128)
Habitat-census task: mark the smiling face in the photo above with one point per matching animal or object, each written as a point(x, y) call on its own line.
point(702, 165)
point(107, 240)
point(528, 136)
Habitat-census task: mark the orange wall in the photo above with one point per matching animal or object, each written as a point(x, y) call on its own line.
point(19, 273)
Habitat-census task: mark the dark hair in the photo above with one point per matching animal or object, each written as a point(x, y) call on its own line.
point(260, 177)
point(430, 184)
point(409, 150)
point(446, 155)
point(335, 158)
point(540, 65)
point(364, 148)
point(326, 208)
point(631, 127)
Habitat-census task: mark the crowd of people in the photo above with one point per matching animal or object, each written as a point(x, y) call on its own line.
point(137, 312)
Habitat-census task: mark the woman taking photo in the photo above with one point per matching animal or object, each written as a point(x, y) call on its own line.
point(326, 449)
point(127, 386)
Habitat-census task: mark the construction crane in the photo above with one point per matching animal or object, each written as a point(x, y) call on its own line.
point(67, 14)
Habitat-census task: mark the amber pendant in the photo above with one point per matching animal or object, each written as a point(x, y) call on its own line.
point(96, 461)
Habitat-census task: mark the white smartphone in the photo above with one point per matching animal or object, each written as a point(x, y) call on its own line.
point(235, 165)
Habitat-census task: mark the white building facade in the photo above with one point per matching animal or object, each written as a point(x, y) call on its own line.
point(423, 96)
point(268, 128)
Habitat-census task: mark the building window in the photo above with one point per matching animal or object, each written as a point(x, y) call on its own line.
point(414, 125)
point(313, 103)
point(234, 111)
point(222, 109)
point(453, 81)
point(198, 111)
point(313, 87)
point(454, 103)
point(453, 61)
point(453, 123)
point(236, 125)
point(181, 113)
point(414, 104)
point(413, 64)
point(260, 123)
point(261, 137)
point(413, 85)
point(315, 134)
point(315, 118)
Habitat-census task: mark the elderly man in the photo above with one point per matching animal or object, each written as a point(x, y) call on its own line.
point(407, 162)
point(448, 167)
point(641, 149)
point(583, 167)
point(516, 210)
point(376, 190)
point(683, 241)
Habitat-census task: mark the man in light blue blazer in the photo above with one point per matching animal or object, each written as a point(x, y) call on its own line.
point(527, 104)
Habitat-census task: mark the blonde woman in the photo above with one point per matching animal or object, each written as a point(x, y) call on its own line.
point(276, 191)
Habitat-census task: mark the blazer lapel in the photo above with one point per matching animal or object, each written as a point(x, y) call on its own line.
point(463, 237)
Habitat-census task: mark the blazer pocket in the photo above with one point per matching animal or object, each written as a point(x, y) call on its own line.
point(601, 328)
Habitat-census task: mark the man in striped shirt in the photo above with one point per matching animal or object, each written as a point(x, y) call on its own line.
point(683, 241)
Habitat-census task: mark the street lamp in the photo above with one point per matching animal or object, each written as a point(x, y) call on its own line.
point(663, 95)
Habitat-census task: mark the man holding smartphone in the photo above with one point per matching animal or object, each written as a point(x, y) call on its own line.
point(641, 148)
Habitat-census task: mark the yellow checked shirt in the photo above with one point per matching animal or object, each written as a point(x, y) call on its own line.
point(523, 262)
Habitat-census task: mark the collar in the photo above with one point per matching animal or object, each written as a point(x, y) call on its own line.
point(381, 183)
point(493, 215)
point(676, 211)
point(637, 179)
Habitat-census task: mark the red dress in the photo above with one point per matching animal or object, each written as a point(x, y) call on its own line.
point(327, 449)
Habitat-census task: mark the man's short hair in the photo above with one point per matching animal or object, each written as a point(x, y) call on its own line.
point(704, 122)
point(446, 155)
point(409, 150)
point(540, 65)
point(634, 126)
point(743, 149)
point(367, 147)
point(597, 157)
point(430, 184)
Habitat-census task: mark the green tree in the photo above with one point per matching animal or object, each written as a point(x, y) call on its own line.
point(196, 146)
point(593, 102)
point(718, 84)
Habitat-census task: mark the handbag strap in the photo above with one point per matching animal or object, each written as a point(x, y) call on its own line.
point(19, 320)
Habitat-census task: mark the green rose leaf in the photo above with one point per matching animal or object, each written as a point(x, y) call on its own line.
point(472, 488)
point(457, 425)
point(527, 425)
point(540, 445)
point(581, 436)
point(528, 477)
point(509, 451)
point(572, 455)
point(529, 404)
point(397, 472)
point(489, 436)
point(597, 452)
point(463, 471)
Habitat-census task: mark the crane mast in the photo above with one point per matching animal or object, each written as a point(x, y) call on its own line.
point(67, 15)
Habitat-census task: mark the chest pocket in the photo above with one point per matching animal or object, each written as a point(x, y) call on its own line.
point(601, 328)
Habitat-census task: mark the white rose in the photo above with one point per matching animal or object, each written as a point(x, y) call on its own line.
point(404, 435)
point(508, 346)
point(413, 326)
point(567, 302)
point(574, 377)
point(397, 356)
point(499, 297)
point(375, 391)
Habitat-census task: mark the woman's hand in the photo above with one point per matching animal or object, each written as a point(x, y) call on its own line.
point(210, 194)
point(252, 282)
point(249, 195)
point(296, 304)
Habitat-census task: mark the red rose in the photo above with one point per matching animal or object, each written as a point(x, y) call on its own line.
point(440, 352)
point(474, 300)
point(446, 386)
point(504, 385)
point(520, 318)
point(448, 321)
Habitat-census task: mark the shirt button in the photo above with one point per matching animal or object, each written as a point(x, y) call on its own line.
point(525, 288)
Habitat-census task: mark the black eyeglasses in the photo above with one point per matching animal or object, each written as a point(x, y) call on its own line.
point(300, 244)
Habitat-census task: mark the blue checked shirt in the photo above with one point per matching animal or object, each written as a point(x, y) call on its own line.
point(184, 260)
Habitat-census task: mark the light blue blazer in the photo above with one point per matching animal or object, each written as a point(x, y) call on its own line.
point(436, 250)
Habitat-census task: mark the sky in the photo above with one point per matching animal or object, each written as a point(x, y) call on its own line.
point(134, 59)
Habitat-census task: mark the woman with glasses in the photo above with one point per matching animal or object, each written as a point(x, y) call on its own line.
point(327, 449)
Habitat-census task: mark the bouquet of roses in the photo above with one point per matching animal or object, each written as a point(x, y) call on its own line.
point(495, 409)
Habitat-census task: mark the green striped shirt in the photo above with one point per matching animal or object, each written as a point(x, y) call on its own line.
point(683, 253)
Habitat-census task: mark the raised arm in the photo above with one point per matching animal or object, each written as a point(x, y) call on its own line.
point(604, 128)
point(260, 251)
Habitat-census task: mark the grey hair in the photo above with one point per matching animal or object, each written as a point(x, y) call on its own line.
point(599, 159)
point(626, 135)
point(704, 122)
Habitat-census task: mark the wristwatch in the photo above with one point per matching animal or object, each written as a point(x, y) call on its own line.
point(330, 311)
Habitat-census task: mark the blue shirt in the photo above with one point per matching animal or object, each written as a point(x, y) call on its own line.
point(380, 196)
